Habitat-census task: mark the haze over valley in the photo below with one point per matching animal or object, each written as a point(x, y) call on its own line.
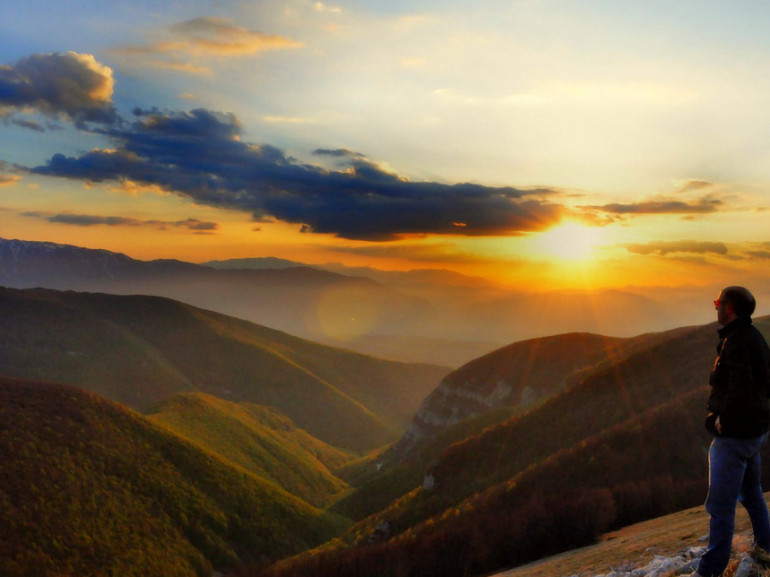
point(436, 317)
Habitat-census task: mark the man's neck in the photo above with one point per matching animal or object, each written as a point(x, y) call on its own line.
point(734, 324)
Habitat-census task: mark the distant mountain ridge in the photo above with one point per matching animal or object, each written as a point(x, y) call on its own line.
point(304, 301)
point(259, 263)
point(433, 316)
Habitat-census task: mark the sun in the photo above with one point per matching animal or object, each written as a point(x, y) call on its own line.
point(571, 241)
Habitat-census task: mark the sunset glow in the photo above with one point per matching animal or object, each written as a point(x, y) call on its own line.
point(571, 242)
point(552, 144)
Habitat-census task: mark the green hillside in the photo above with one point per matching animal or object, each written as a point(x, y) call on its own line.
point(139, 350)
point(89, 488)
point(258, 439)
point(376, 489)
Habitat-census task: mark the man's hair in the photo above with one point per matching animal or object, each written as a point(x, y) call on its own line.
point(742, 300)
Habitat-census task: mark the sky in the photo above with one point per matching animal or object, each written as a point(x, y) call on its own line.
point(543, 144)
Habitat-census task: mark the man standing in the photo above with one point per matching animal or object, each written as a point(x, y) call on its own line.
point(738, 417)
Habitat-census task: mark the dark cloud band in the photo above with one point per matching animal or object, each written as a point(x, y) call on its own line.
point(199, 154)
point(702, 206)
point(195, 225)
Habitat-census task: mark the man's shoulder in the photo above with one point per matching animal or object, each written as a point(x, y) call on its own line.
point(752, 337)
point(758, 336)
point(745, 335)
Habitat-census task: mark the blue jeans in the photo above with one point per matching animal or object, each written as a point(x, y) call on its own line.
point(735, 468)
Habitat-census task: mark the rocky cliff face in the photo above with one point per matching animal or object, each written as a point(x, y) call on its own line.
point(514, 376)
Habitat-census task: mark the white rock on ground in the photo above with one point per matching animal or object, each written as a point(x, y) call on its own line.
point(683, 564)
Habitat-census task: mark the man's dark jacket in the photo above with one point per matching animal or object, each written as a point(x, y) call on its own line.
point(740, 382)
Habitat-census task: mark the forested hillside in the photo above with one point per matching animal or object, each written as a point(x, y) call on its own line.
point(487, 391)
point(139, 350)
point(89, 488)
point(258, 439)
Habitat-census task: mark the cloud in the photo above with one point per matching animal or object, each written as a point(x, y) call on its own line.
point(204, 37)
point(89, 220)
point(68, 86)
point(36, 126)
point(221, 36)
point(704, 205)
point(86, 220)
point(760, 250)
point(200, 155)
point(337, 152)
point(321, 7)
point(286, 119)
point(678, 247)
point(195, 225)
point(8, 179)
point(759, 254)
point(692, 184)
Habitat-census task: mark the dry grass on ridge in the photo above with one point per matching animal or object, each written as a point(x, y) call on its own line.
point(631, 546)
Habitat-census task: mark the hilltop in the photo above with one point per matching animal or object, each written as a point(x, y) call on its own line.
point(491, 390)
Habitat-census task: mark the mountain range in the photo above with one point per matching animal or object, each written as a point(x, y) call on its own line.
point(432, 316)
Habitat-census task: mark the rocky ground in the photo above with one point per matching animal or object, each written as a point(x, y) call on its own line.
point(666, 547)
point(743, 564)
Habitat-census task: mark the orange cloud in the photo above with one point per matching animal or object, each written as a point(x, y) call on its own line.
point(678, 247)
point(203, 37)
point(9, 179)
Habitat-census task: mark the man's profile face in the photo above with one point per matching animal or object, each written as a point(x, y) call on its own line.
point(725, 313)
